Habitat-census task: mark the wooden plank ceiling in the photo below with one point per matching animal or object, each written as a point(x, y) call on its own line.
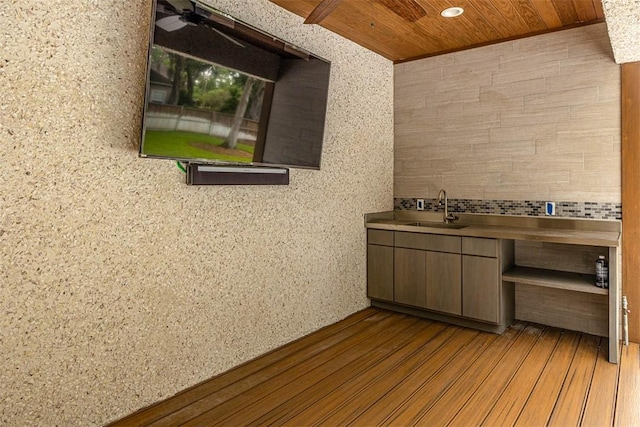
point(403, 30)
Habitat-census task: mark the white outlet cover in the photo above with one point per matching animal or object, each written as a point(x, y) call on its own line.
point(420, 204)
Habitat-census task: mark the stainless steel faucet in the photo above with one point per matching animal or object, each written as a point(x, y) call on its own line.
point(447, 217)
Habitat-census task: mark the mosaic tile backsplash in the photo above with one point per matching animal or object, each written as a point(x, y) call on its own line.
point(594, 210)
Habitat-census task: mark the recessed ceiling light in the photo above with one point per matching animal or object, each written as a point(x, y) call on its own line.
point(452, 12)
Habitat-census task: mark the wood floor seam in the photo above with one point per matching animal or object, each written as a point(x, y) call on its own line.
point(467, 336)
point(361, 336)
point(519, 392)
point(593, 372)
point(382, 368)
point(511, 374)
point(380, 350)
point(473, 356)
point(454, 331)
point(493, 360)
point(270, 418)
point(206, 388)
point(531, 410)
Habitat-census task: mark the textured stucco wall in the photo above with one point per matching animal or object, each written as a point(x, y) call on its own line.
point(622, 23)
point(119, 284)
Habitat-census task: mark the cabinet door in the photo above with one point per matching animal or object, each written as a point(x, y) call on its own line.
point(481, 288)
point(380, 272)
point(409, 273)
point(444, 282)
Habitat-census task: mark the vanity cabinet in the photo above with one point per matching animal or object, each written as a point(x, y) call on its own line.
point(493, 269)
point(380, 265)
point(450, 278)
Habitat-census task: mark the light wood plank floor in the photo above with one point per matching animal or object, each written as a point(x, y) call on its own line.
point(383, 368)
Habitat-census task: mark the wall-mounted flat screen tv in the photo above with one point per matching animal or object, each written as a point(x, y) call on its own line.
point(222, 92)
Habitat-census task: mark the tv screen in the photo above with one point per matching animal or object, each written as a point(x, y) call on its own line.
point(219, 91)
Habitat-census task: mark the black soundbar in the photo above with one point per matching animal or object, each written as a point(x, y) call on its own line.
point(198, 174)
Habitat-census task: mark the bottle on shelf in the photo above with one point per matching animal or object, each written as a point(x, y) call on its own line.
point(602, 272)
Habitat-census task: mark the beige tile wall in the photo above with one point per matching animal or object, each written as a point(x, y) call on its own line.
point(530, 119)
point(119, 284)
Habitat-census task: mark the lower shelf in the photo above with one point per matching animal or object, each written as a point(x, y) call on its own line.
point(575, 311)
point(554, 279)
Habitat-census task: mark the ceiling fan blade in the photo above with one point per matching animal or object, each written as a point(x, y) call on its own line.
point(171, 23)
point(181, 5)
point(231, 39)
point(322, 11)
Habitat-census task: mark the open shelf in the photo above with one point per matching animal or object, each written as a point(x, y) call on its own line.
point(554, 279)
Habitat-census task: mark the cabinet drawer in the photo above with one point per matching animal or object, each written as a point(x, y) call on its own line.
point(480, 247)
point(428, 242)
point(380, 237)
